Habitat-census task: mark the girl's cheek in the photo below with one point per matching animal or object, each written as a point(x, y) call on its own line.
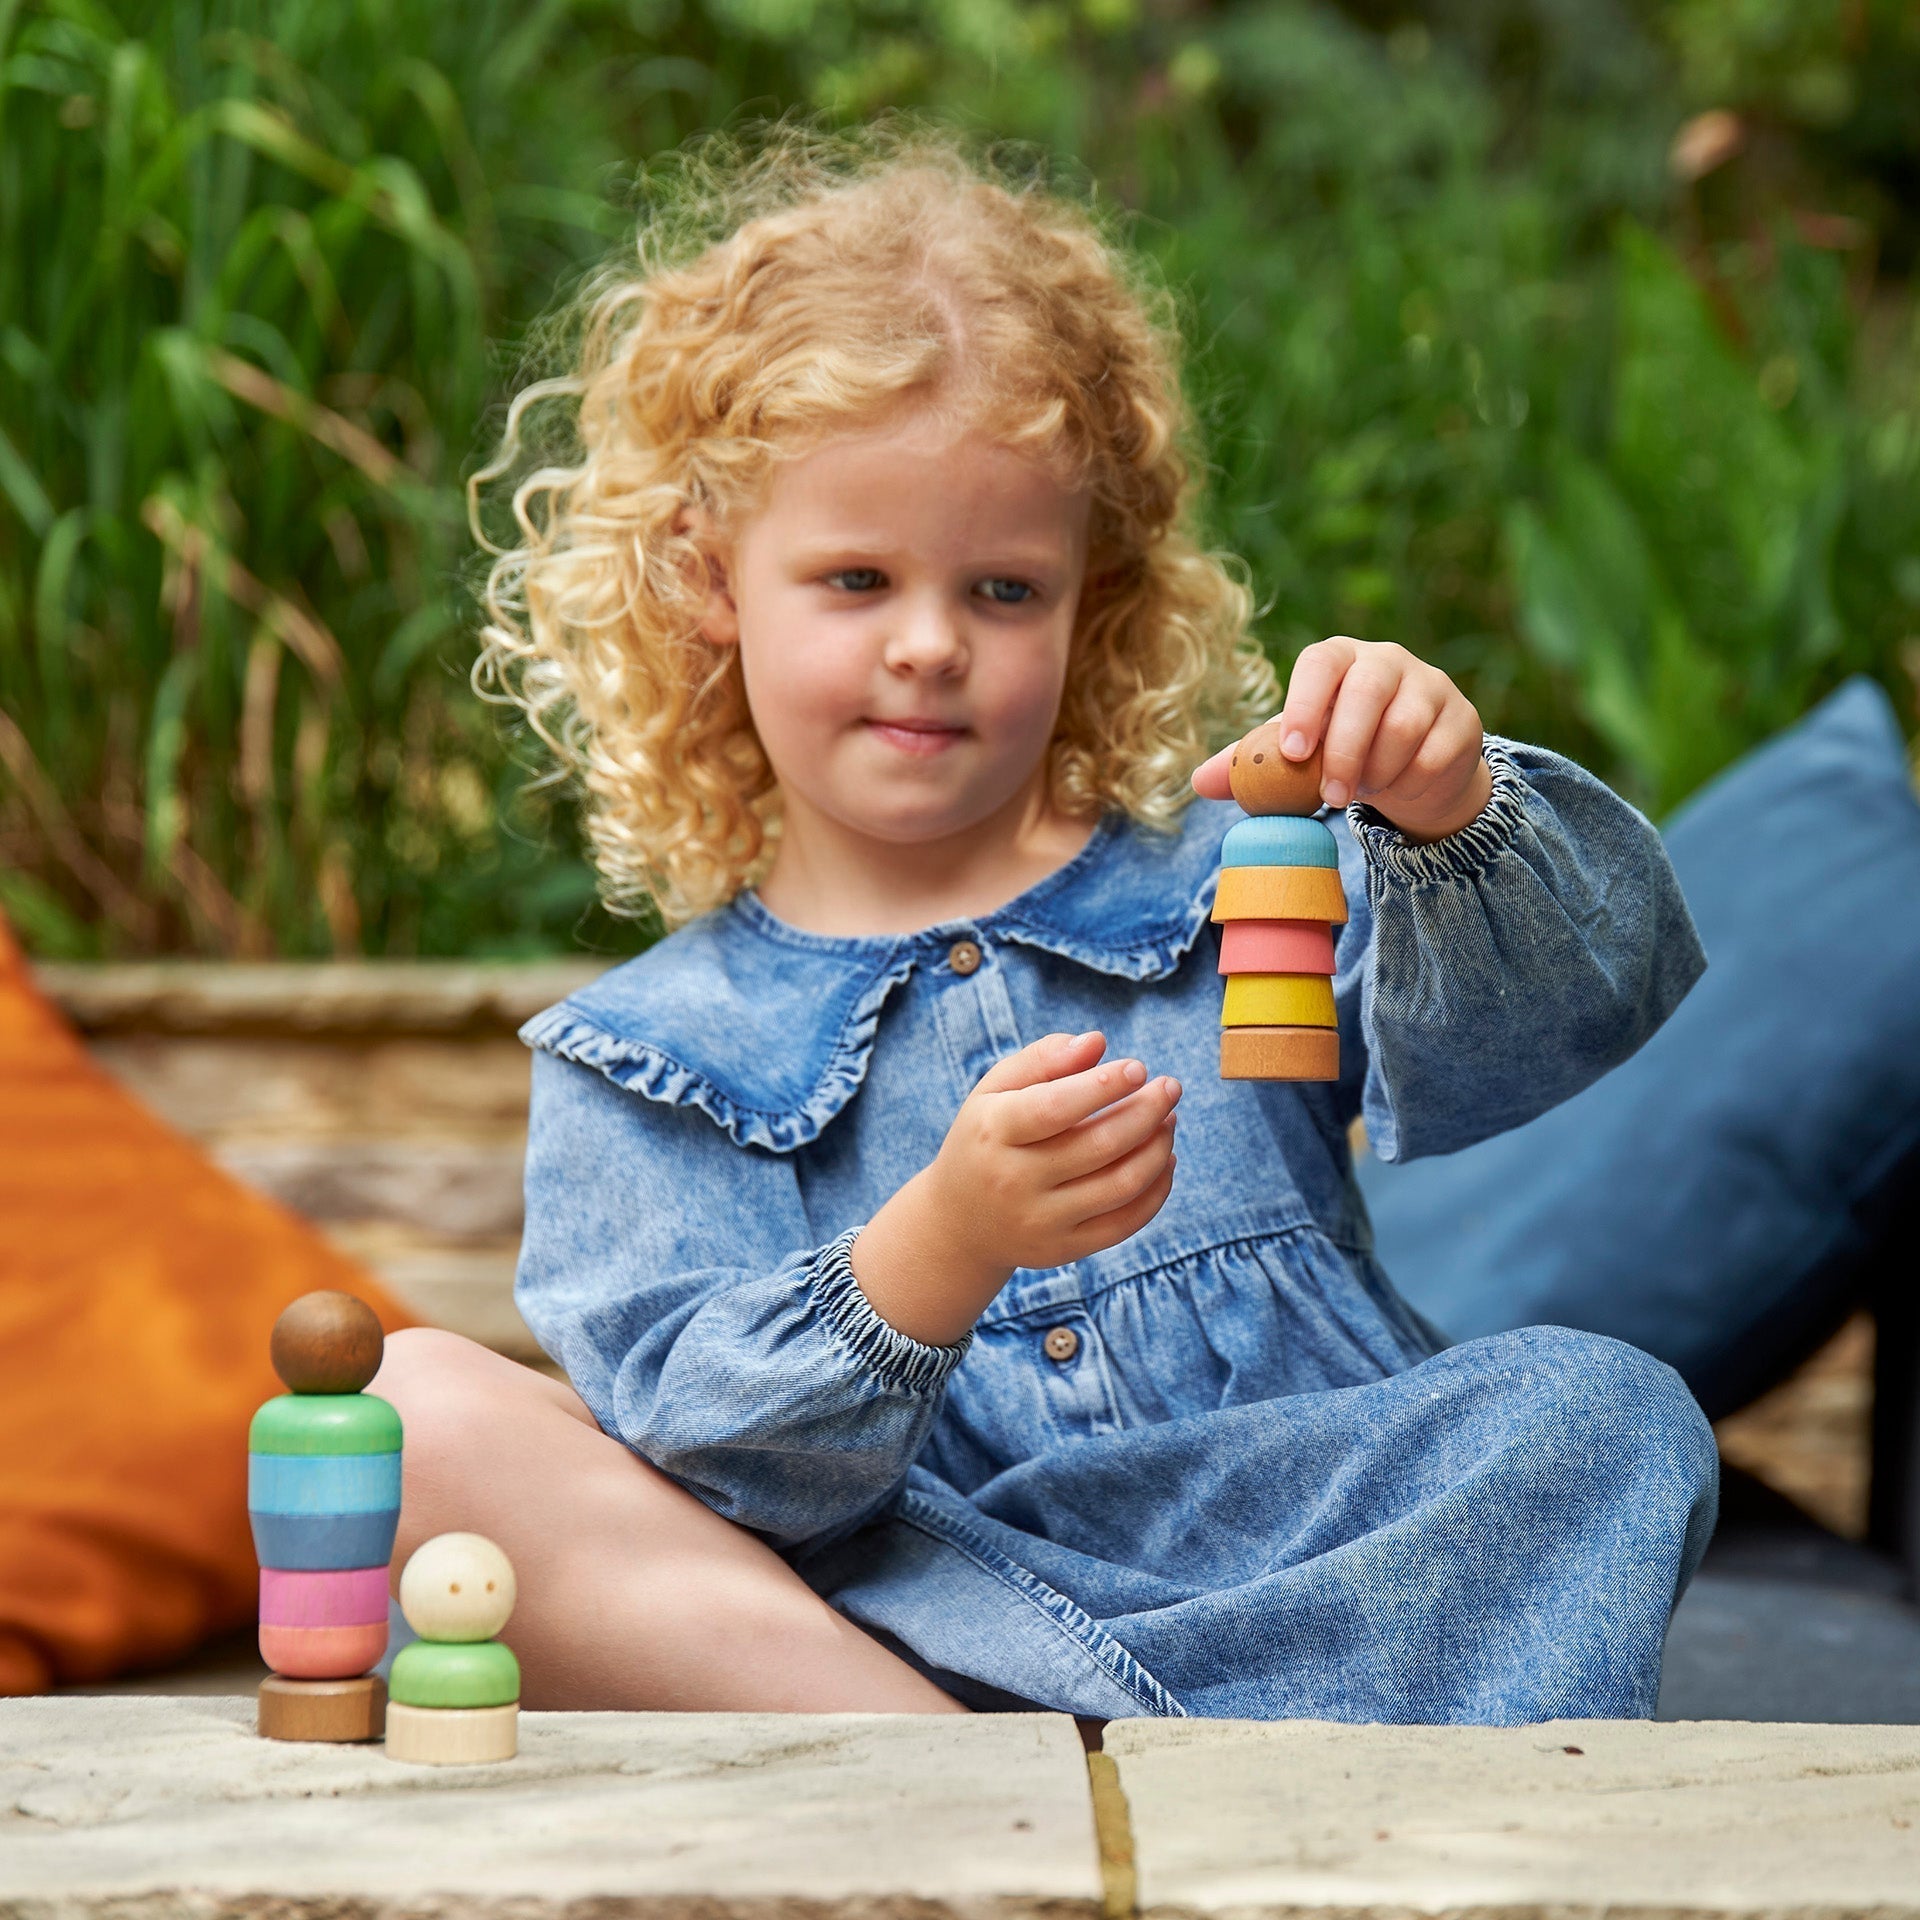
point(1034, 684)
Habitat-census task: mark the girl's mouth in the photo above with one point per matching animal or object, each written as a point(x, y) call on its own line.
point(917, 736)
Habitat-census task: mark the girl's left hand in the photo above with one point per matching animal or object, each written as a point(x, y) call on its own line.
point(1399, 735)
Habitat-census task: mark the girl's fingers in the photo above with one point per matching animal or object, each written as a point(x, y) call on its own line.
point(1452, 748)
point(1030, 1114)
point(1122, 1222)
point(1311, 689)
point(1210, 777)
point(1122, 1180)
point(1046, 1059)
point(1403, 730)
point(1366, 691)
point(1103, 1139)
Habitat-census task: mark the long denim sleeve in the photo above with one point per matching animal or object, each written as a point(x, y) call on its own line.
point(1491, 975)
point(669, 1272)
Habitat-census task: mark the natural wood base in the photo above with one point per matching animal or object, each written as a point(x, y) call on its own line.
point(1279, 1053)
point(322, 1709)
point(452, 1736)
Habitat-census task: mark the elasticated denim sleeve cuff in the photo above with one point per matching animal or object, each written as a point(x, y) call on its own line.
point(1464, 855)
point(895, 1359)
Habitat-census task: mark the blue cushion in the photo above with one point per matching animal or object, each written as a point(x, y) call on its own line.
point(1704, 1199)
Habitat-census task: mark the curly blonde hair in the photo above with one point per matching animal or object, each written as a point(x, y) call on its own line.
point(786, 290)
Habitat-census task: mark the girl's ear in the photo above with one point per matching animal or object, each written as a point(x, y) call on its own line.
point(719, 617)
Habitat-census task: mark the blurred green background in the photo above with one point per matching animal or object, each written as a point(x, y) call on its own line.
point(1571, 342)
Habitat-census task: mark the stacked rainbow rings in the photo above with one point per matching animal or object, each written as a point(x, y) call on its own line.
point(1279, 901)
point(323, 1494)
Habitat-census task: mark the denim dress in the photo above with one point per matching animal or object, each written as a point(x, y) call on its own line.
point(1221, 1468)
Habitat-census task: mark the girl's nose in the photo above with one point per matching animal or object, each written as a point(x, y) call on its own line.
point(927, 637)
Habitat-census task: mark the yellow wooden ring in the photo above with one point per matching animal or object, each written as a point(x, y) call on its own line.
point(1279, 1053)
point(1281, 893)
point(1279, 1000)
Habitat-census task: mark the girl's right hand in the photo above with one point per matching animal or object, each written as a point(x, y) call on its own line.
point(1054, 1155)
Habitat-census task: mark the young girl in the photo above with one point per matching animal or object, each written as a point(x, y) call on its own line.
point(912, 1368)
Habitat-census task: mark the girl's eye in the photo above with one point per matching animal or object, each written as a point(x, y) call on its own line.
point(1007, 593)
point(857, 579)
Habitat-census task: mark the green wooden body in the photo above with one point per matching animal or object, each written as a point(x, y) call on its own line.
point(325, 1423)
point(469, 1673)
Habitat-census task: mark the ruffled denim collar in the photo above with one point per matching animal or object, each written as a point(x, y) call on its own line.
point(767, 1029)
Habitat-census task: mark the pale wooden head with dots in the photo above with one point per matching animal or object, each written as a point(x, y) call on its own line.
point(457, 1587)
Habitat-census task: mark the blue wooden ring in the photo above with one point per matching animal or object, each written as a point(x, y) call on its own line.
point(312, 1542)
point(1279, 840)
point(322, 1482)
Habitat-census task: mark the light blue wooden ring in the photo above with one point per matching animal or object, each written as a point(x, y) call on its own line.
point(309, 1542)
point(1279, 840)
point(322, 1482)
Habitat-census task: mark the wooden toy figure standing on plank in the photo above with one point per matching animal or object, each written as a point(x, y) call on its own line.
point(456, 1690)
point(323, 1493)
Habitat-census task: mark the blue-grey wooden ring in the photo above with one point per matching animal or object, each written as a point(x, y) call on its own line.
point(1280, 840)
point(312, 1542)
point(322, 1482)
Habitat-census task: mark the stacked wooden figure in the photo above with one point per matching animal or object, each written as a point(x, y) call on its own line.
point(456, 1690)
point(1280, 899)
point(323, 1493)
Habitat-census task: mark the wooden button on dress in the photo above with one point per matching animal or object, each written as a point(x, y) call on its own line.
point(1061, 1344)
point(964, 957)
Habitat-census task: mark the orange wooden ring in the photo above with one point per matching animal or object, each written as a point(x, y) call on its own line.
point(1281, 893)
point(1276, 946)
point(1279, 1053)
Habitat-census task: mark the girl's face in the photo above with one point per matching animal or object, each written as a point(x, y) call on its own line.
point(904, 602)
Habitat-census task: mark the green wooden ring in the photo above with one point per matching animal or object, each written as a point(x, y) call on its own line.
point(468, 1673)
point(325, 1423)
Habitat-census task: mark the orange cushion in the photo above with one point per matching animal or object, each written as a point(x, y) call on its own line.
point(138, 1286)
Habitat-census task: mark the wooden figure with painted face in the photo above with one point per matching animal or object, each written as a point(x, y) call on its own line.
point(1279, 900)
point(456, 1690)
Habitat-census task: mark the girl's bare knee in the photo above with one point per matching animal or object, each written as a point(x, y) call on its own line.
point(456, 1402)
point(434, 1375)
point(430, 1376)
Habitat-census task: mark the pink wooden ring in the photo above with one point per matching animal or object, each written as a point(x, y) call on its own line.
point(1276, 946)
point(348, 1597)
point(322, 1653)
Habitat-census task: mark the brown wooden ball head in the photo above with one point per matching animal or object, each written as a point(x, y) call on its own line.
point(327, 1342)
point(1264, 780)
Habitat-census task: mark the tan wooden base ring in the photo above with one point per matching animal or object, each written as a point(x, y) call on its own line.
point(452, 1736)
point(322, 1709)
point(1279, 1053)
point(1281, 893)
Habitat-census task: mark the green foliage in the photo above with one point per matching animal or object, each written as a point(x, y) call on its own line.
point(251, 262)
point(1638, 463)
